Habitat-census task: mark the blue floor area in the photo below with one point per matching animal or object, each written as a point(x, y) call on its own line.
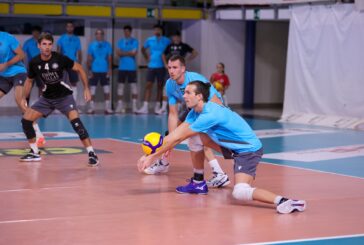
point(330, 241)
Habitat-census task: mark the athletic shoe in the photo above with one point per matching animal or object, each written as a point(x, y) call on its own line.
point(158, 167)
point(143, 110)
point(161, 111)
point(93, 160)
point(40, 141)
point(287, 206)
point(218, 180)
point(120, 108)
point(90, 111)
point(108, 111)
point(31, 157)
point(193, 188)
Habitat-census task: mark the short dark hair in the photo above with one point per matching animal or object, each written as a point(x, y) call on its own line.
point(178, 57)
point(128, 27)
point(176, 33)
point(202, 88)
point(36, 28)
point(158, 26)
point(46, 36)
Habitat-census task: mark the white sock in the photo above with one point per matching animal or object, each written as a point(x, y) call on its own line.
point(277, 199)
point(92, 104)
point(145, 104)
point(215, 166)
point(89, 149)
point(164, 105)
point(34, 147)
point(134, 101)
point(107, 104)
point(156, 106)
point(38, 133)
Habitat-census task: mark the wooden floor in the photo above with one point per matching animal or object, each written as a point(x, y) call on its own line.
point(63, 201)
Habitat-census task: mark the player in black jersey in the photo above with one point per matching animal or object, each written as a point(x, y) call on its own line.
point(49, 67)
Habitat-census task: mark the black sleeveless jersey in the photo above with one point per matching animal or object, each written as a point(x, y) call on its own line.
point(51, 73)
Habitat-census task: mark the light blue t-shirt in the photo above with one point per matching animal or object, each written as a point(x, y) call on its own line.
point(30, 47)
point(70, 45)
point(128, 63)
point(175, 91)
point(156, 49)
point(100, 52)
point(8, 44)
point(224, 127)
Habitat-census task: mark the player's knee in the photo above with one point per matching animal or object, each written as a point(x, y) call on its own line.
point(79, 128)
point(195, 144)
point(121, 89)
point(28, 128)
point(243, 191)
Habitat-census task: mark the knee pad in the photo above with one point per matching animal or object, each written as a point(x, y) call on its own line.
point(28, 129)
point(133, 88)
point(106, 89)
point(195, 143)
point(93, 90)
point(243, 191)
point(77, 125)
point(121, 89)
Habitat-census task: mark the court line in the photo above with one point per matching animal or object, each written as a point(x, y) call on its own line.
point(264, 162)
point(307, 240)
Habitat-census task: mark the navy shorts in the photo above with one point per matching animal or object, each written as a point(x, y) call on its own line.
point(7, 83)
point(245, 162)
point(99, 77)
point(47, 106)
point(158, 74)
point(129, 76)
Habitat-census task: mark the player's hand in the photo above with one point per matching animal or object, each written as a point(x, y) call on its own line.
point(87, 94)
point(144, 162)
point(3, 66)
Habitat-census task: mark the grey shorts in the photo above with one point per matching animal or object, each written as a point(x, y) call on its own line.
point(245, 162)
point(7, 83)
point(99, 77)
point(46, 106)
point(129, 76)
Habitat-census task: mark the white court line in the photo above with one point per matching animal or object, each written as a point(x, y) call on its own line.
point(307, 240)
point(275, 164)
point(41, 189)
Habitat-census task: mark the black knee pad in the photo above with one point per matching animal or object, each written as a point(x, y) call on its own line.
point(79, 128)
point(28, 128)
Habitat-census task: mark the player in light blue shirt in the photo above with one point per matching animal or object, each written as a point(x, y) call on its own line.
point(70, 45)
point(99, 63)
point(13, 73)
point(175, 87)
point(30, 47)
point(127, 50)
point(227, 132)
point(156, 70)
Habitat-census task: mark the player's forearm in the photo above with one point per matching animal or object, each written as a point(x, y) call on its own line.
point(18, 57)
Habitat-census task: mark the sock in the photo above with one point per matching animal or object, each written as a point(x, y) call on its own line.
point(215, 166)
point(277, 200)
point(107, 104)
point(198, 176)
point(145, 104)
point(89, 149)
point(134, 101)
point(92, 104)
point(34, 147)
point(38, 133)
point(164, 105)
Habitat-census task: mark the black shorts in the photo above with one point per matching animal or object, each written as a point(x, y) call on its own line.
point(158, 74)
point(245, 162)
point(39, 83)
point(129, 76)
point(72, 77)
point(46, 106)
point(7, 83)
point(99, 77)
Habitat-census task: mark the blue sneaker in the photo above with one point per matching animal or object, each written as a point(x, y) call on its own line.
point(193, 188)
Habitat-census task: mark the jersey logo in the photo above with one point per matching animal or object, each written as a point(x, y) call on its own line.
point(20, 81)
point(54, 65)
point(39, 67)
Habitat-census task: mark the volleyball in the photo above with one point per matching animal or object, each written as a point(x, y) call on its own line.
point(152, 142)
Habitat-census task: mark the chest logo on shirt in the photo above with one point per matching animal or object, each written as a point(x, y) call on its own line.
point(55, 65)
point(39, 67)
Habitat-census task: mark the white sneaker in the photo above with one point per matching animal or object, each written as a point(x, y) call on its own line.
point(218, 180)
point(156, 108)
point(90, 111)
point(161, 111)
point(108, 111)
point(143, 110)
point(287, 206)
point(120, 108)
point(158, 167)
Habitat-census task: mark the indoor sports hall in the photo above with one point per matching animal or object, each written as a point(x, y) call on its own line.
point(296, 78)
